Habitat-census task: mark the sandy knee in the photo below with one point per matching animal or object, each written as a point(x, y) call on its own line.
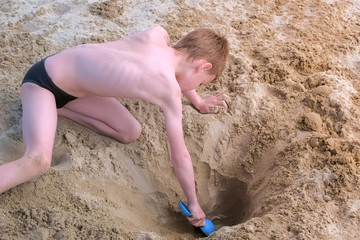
point(131, 134)
point(38, 163)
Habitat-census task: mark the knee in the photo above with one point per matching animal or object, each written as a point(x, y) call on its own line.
point(131, 134)
point(38, 163)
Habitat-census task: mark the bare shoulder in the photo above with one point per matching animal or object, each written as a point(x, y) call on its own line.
point(157, 30)
point(157, 35)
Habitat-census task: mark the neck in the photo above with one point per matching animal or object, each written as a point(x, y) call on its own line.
point(181, 63)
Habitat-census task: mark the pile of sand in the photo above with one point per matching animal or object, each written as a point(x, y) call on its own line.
point(281, 163)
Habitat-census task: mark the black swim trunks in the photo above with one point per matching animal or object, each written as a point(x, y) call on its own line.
point(38, 75)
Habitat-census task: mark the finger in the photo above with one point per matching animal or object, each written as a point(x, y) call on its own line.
point(213, 109)
point(197, 222)
point(223, 96)
point(222, 103)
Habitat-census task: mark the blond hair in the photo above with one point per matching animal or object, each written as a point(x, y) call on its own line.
point(204, 43)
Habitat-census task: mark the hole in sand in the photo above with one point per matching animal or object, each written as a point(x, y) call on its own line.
point(229, 202)
point(225, 201)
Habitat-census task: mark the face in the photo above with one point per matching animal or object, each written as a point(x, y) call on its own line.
point(198, 76)
point(208, 78)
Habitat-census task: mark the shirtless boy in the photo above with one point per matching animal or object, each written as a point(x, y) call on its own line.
point(81, 83)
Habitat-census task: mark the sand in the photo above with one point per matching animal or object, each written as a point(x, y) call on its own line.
point(281, 163)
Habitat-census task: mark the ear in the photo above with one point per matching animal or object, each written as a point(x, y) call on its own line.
point(204, 65)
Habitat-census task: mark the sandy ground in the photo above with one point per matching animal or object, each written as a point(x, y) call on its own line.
point(281, 163)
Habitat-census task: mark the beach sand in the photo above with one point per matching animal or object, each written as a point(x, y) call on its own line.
point(281, 163)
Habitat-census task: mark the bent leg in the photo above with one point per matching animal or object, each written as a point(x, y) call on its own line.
point(103, 115)
point(39, 127)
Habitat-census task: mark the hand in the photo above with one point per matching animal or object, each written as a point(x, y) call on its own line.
point(198, 216)
point(208, 105)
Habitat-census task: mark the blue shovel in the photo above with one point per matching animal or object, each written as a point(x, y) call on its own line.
point(209, 227)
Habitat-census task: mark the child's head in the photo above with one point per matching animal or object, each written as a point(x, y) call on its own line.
point(204, 43)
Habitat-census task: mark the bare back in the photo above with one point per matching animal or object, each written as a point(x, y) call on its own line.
point(139, 66)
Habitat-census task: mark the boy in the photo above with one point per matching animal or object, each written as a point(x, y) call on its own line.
point(81, 83)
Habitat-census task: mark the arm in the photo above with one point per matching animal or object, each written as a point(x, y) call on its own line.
point(206, 105)
point(181, 161)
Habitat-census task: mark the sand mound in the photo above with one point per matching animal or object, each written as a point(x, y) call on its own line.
point(281, 163)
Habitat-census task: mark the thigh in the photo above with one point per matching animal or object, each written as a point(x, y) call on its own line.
point(106, 110)
point(39, 118)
